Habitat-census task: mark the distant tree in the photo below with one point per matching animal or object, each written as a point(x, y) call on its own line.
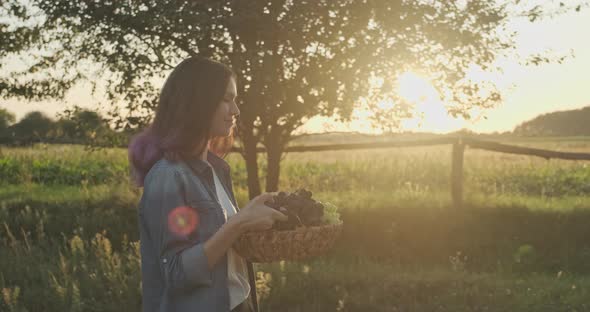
point(81, 123)
point(464, 132)
point(6, 119)
point(34, 126)
point(564, 123)
point(89, 127)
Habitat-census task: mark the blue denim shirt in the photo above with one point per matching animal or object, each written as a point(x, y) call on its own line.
point(174, 268)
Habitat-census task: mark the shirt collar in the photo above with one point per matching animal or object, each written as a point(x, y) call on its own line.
point(199, 166)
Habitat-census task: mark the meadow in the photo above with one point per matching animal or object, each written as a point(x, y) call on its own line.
point(68, 232)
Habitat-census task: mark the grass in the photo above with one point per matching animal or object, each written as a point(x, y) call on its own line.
point(328, 285)
point(421, 168)
point(69, 234)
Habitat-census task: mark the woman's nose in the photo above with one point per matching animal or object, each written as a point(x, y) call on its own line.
point(235, 111)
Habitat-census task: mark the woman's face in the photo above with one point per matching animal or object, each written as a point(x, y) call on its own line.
point(226, 113)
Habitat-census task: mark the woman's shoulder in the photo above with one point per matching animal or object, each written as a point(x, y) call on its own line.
point(163, 170)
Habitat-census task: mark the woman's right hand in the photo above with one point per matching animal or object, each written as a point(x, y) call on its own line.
point(256, 216)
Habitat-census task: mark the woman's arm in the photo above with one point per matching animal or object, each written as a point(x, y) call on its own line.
point(255, 216)
point(218, 244)
point(183, 263)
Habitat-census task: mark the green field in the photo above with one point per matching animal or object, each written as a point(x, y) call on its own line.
point(68, 234)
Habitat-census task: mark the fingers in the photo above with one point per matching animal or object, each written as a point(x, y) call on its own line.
point(279, 216)
point(263, 197)
point(263, 225)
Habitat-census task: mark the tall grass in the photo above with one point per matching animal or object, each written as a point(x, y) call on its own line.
point(422, 168)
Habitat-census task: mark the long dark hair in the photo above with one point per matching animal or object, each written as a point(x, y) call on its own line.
point(181, 127)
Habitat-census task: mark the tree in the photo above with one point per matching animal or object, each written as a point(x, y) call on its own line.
point(6, 119)
point(83, 124)
point(294, 59)
point(34, 126)
point(563, 123)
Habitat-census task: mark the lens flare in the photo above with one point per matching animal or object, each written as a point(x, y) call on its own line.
point(183, 220)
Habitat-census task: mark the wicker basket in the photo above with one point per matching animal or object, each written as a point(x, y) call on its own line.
point(303, 242)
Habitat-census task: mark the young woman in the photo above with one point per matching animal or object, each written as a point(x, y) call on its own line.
point(188, 215)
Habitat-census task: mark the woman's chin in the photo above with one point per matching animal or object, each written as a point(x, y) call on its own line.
point(224, 133)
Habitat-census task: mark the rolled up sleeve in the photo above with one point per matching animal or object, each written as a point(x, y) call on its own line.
point(183, 262)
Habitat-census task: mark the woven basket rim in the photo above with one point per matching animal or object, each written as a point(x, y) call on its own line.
point(298, 229)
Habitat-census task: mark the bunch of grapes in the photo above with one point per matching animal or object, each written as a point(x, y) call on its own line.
point(301, 209)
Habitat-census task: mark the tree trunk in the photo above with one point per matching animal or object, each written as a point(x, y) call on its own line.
point(274, 151)
point(250, 156)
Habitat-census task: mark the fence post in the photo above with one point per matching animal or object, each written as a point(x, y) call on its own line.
point(457, 173)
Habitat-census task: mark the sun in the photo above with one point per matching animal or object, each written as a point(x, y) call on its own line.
point(429, 111)
point(415, 88)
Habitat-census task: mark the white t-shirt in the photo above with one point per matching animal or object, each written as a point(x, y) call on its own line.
point(237, 272)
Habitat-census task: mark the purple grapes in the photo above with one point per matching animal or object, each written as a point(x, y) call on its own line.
point(300, 208)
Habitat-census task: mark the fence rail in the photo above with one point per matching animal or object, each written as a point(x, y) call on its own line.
point(458, 150)
point(521, 150)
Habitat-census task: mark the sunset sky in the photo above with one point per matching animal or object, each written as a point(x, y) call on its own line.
point(528, 91)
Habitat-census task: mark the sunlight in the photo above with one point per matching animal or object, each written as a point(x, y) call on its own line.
point(416, 89)
point(429, 111)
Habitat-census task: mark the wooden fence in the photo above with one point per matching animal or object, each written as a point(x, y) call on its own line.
point(458, 150)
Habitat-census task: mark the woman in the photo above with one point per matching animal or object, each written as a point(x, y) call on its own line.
point(188, 215)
